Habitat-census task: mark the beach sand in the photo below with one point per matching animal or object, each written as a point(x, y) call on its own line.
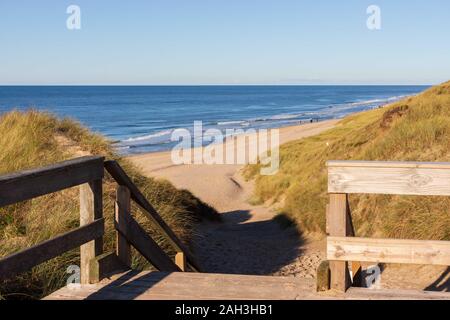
point(220, 185)
point(249, 241)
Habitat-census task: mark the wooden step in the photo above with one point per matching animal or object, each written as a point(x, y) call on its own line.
point(134, 285)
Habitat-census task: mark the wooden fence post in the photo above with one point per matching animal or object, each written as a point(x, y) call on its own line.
point(123, 207)
point(340, 277)
point(91, 208)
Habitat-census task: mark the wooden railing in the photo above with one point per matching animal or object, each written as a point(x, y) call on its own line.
point(376, 177)
point(24, 185)
point(130, 229)
point(88, 172)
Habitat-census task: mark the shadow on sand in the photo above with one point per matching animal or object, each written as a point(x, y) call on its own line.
point(239, 246)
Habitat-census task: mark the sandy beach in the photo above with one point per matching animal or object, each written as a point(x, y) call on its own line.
point(220, 185)
point(249, 241)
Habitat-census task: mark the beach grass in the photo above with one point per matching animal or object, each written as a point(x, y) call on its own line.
point(32, 139)
point(414, 129)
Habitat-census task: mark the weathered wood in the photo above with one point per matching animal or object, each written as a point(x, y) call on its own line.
point(27, 184)
point(91, 208)
point(116, 171)
point(388, 164)
point(105, 265)
point(389, 250)
point(379, 178)
point(340, 277)
point(28, 258)
point(146, 246)
point(180, 261)
point(189, 285)
point(123, 207)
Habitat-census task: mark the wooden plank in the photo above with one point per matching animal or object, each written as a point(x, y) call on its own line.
point(387, 180)
point(340, 277)
point(388, 164)
point(180, 261)
point(27, 184)
point(187, 285)
point(122, 207)
point(116, 171)
point(388, 250)
point(28, 258)
point(146, 246)
point(91, 208)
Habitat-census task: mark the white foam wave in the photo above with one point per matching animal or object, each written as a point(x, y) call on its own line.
point(231, 122)
point(285, 116)
point(149, 136)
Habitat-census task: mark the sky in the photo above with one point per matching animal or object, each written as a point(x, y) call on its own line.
point(194, 42)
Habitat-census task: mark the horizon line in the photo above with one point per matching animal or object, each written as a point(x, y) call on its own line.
point(215, 85)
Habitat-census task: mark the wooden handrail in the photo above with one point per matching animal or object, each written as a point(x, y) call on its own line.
point(146, 246)
point(378, 177)
point(118, 174)
point(389, 250)
point(410, 178)
point(388, 164)
point(87, 172)
point(27, 184)
point(28, 258)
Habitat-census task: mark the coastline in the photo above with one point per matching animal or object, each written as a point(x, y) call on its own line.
point(220, 185)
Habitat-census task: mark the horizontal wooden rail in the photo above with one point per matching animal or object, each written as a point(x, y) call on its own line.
point(27, 184)
point(143, 243)
point(30, 257)
point(402, 178)
point(116, 171)
point(388, 250)
point(388, 164)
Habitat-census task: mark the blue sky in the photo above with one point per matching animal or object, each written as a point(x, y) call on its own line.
point(224, 42)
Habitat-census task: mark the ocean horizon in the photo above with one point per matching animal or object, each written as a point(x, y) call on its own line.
point(141, 119)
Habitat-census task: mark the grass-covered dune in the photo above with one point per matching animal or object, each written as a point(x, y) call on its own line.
point(33, 139)
point(414, 129)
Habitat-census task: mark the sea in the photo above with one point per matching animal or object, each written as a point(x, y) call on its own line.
point(141, 119)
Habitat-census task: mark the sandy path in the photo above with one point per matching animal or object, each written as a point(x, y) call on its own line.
point(249, 241)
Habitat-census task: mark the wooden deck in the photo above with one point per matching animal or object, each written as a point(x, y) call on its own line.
point(133, 285)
